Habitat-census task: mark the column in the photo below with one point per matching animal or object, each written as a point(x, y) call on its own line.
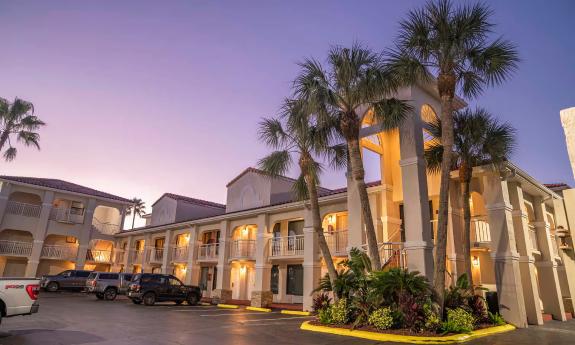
point(39, 234)
point(455, 228)
point(526, 259)
point(144, 260)
point(568, 268)
point(311, 261)
point(262, 295)
point(503, 250)
point(418, 242)
point(547, 267)
point(129, 248)
point(223, 290)
point(166, 253)
point(193, 269)
point(34, 259)
point(85, 234)
point(4, 195)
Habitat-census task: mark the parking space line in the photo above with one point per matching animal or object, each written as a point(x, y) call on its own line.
point(279, 318)
point(207, 311)
point(238, 313)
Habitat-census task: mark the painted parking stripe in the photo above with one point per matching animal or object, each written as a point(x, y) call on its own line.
point(239, 312)
point(278, 318)
point(207, 311)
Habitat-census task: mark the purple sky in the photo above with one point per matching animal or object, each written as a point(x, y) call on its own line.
point(142, 99)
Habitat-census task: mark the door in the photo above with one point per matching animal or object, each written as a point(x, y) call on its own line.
point(294, 280)
point(159, 249)
point(204, 278)
point(80, 278)
point(275, 279)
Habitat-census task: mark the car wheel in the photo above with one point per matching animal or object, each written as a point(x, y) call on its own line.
point(137, 301)
point(149, 298)
point(52, 287)
point(192, 299)
point(110, 294)
point(179, 302)
point(100, 295)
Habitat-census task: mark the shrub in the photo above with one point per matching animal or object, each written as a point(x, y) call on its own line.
point(496, 319)
point(399, 282)
point(478, 308)
point(381, 318)
point(339, 311)
point(432, 319)
point(320, 302)
point(412, 312)
point(324, 316)
point(458, 321)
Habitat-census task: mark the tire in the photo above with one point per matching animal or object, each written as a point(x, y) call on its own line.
point(193, 299)
point(178, 302)
point(52, 287)
point(100, 295)
point(149, 298)
point(137, 301)
point(110, 294)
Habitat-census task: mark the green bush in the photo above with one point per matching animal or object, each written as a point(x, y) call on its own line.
point(339, 311)
point(324, 316)
point(381, 318)
point(496, 319)
point(432, 319)
point(458, 321)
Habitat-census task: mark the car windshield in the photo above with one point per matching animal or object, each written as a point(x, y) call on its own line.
point(92, 275)
point(65, 273)
point(136, 277)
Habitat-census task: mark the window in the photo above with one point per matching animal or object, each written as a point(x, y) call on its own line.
point(77, 208)
point(175, 282)
point(159, 243)
point(111, 276)
point(294, 280)
point(275, 279)
point(128, 277)
point(83, 274)
point(215, 278)
point(92, 275)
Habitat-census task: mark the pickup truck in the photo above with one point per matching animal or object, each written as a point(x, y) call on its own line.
point(106, 285)
point(151, 288)
point(18, 296)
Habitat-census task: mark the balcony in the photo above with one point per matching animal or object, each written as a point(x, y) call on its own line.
point(242, 249)
point(120, 256)
point(104, 227)
point(66, 215)
point(59, 252)
point(15, 248)
point(136, 256)
point(156, 255)
point(208, 252)
point(180, 254)
point(392, 254)
point(480, 232)
point(337, 242)
point(23, 209)
point(288, 246)
point(99, 256)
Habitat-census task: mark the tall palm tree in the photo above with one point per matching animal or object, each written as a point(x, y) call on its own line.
point(138, 207)
point(295, 137)
point(18, 119)
point(355, 85)
point(453, 43)
point(479, 139)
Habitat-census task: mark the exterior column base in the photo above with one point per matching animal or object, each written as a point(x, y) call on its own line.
point(262, 299)
point(31, 269)
point(221, 296)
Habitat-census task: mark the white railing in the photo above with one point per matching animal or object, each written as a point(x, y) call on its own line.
point(59, 252)
point(287, 246)
point(15, 248)
point(391, 254)
point(242, 249)
point(533, 238)
point(97, 255)
point(120, 255)
point(66, 215)
point(208, 251)
point(136, 256)
point(104, 227)
point(23, 209)
point(337, 242)
point(480, 232)
point(180, 254)
point(156, 255)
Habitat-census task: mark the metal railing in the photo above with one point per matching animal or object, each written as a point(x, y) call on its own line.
point(15, 248)
point(156, 255)
point(136, 256)
point(97, 255)
point(287, 246)
point(66, 215)
point(23, 209)
point(120, 256)
point(533, 238)
point(392, 254)
point(180, 254)
point(59, 252)
point(480, 232)
point(208, 251)
point(337, 242)
point(242, 249)
point(105, 227)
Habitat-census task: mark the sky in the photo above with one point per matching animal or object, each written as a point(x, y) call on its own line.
point(146, 97)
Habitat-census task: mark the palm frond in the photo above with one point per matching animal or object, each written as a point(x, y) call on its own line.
point(276, 163)
point(271, 132)
point(390, 113)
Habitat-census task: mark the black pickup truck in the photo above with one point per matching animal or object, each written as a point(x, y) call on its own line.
point(151, 288)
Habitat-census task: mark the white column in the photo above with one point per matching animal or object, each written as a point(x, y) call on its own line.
point(311, 261)
point(85, 234)
point(262, 295)
point(4, 196)
point(193, 269)
point(567, 270)
point(223, 290)
point(167, 252)
point(40, 234)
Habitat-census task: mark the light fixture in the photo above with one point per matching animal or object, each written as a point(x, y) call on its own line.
point(242, 269)
point(184, 269)
point(245, 231)
point(330, 218)
point(476, 261)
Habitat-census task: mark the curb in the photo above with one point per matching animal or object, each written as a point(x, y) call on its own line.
point(295, 312)
point(263, 310)
point(449, 339)
point(204, 304)
point(228, 306)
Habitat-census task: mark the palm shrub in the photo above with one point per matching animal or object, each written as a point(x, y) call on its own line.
point(397, 282)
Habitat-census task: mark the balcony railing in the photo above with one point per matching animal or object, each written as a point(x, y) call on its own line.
point(136, 256)
point(208, 251)
point(287, 246)
point(59, 252)
point(96, 255)
point(480, 232)
point(242, 249)
point(180, 254)
point(120, 256)
point(337, 242)
point(104, 227)
point(66, 215)
point(156, 255)
point(23, 209)
point(533, 238)
point(392, 254)
point(15, 248)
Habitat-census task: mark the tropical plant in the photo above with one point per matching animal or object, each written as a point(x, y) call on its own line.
point(496, 319)
point(340, 311)
point(381, 318)
point(396, 282)
point(479, 139)
point(458, 321)
point(324, 316)
point(138, 207)
point(320, 302)
point(296, 135)
point(456, 296)
point(18, 119)
point(355, 86)
point(453, 43)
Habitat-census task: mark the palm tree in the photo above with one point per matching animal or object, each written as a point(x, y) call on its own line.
point(354, 86)
point(479, 139)
point(18, 119)
point(454, 44)
point(138, 207)
point(297, 138)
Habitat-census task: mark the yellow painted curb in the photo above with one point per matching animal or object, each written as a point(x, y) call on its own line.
point(228, 306)
point(264, 310)
point(295, 312)
point(457, 338)
point(204, 304)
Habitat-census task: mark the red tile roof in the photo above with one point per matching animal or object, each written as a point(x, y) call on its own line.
point(556, 185)
point(190, 200)
point(63, 185)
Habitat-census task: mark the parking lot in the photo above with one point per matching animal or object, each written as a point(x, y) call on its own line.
point(74, 318)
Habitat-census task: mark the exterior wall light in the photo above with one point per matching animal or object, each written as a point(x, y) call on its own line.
point(476, 261)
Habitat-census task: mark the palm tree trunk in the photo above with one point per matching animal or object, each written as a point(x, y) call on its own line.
point(316, 220)
point(447, 94)
point(133, 219)
point(358, 178)
point(465, 177)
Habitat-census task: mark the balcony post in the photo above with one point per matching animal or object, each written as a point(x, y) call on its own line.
point(166, 252)
point(4, 196)
point(85, 234)
point(34, 258)
point(311, 261)
point(503, 250)
point(547, 267)
point(455, 228)
point(127, 253)
point(193, 269)
point(44, 219)
point(223, 290)
point(526, 259)
point(262, 295)
point(144, 260)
